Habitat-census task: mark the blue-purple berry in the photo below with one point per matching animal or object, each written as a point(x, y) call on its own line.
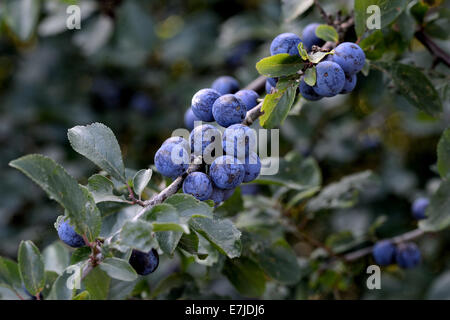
point(252, 166)
point(190, 118)
point(285, 43)
point(144, 263)
point(225, 85)
point(350, 83)
point(68, 235)
point(350, 57)
point(249, 97)
point(407, 255)
point(203, 139)
point(384, 252)
point(199, 185)
point(308, 92)
point(238, 140)
point(227, 172)
point(270, 84)
point(419, 208)
point(172, 158)
point(202, 103)
point(330, 79)
point(228, 110)
point(309, 36)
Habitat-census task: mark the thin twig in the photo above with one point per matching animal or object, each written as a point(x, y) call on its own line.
point(408, 236)
point(433, 48)
point(325, 16)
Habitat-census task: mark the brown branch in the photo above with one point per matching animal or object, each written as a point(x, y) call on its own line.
point(408, 236)
point(328, 18)
point(432, 47)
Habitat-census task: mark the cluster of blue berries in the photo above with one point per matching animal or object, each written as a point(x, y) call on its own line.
point(143, 263)
point(406, 255)
point(336, 74)
point(237, 161)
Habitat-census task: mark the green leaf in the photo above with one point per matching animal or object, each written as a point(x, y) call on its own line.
point(438, 212)
point(61, 187)
point(9, 274)
point(310, 76)
point(342, 194)
point(414, 86)
point(222, 234)
point(102, 188)
point(373, 45)
point(443, 155)
point(279, 65)
point(316, 57)
point(327, 33)
point(294, 172)
point(232, 206)
point(389, 9)
point(137, 234)
point(292, 9)
point(189, 242)
point(98, 143)
point(60, 289)
point(164, 217)
point(166, 220)
point(173, 281)
point(302, 51)
point(31, 267)
point(56, 257)
point(188, 206)
point(84, 295)
point(97, 283)
point(276, 106)
point(21, 16)
point(278, 260)
point(120, 290)
point(246, 276)
point(141, 180)
point(118, 269)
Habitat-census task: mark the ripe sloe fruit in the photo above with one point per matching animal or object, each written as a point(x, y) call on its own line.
point(419, 207)
point(172, 158)
point(227, 172)
point(309, 36)
point(252, 166)
point(144, 263)
point(350, 57)
point(68, 235)
point(203, 136)
point(249, 97)
point(285, 43)
point(228, 110)
point(384, 252)
point(408, 255)
point(238, 140)
point(330, 79)
point(199, 185)
point(308, 92)
point(350, 83)
point(225, 85)
point(202, 103)
point(190, 118)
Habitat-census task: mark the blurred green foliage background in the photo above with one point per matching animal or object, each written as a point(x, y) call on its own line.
point(135, 65)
